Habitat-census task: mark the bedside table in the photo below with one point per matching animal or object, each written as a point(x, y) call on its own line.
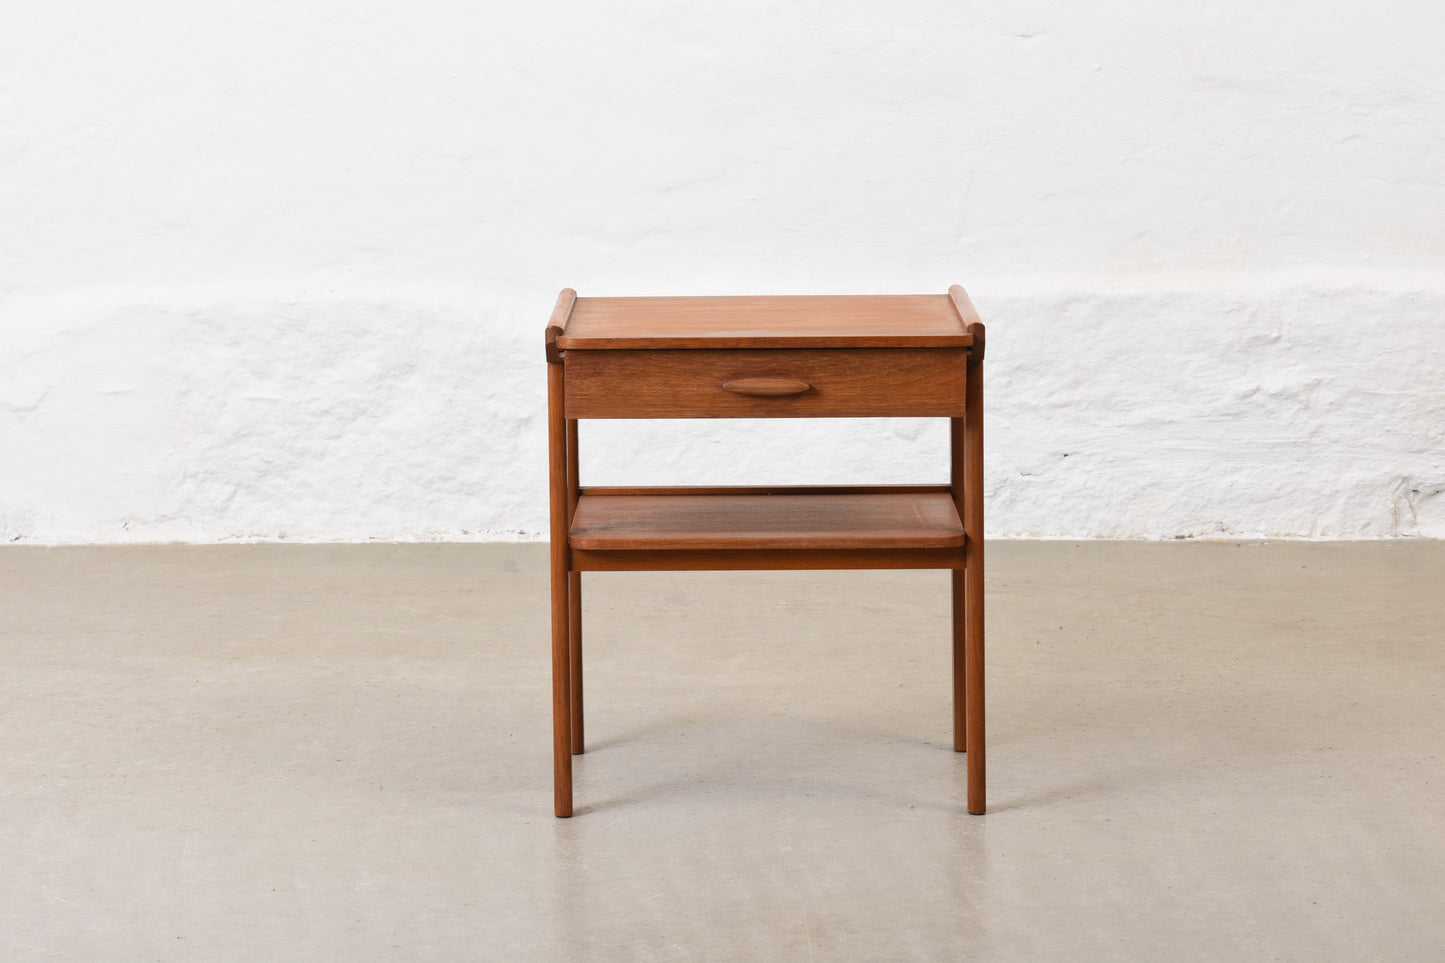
point(766, 357)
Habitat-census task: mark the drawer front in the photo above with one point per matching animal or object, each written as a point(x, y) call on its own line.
point(766, 383)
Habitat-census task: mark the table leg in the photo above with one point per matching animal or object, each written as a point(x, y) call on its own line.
point(973, 581)
point(561, 608)
point(574, 592)
point(574, 658)
point(960, 688)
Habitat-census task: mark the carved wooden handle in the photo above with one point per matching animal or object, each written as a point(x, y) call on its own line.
point(767, 387)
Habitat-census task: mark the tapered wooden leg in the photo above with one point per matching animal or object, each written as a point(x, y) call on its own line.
point(973, 680)
point(574, 659)
point(973, 581)
point(574, 592)
point(561, 609)
point(960, 688)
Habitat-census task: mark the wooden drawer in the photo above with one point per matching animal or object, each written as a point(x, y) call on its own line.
point(765, 383)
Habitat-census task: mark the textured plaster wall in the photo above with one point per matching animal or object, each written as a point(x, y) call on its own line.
point(281, 270)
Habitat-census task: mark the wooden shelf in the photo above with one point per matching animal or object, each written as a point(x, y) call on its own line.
point(668, 520)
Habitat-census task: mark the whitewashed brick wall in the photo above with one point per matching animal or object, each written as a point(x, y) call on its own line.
point(281, 271)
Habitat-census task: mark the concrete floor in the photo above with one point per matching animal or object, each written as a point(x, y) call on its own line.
point(1197, 751)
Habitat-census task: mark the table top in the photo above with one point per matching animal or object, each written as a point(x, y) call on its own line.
point(830, 321)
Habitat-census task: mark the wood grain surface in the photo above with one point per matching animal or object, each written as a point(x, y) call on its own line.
point(871, 321)
point(777, 522)
point(842, 383)
point(764, 559)
point(767, 490)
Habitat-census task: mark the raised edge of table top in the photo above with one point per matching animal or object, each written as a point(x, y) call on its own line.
point(811, 521)
point(813, 321)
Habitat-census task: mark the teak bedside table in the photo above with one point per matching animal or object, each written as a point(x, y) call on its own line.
point(781, 357)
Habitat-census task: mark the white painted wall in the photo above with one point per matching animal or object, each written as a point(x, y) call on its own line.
point(281, 270)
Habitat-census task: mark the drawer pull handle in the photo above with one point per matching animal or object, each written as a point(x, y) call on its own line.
point(767, 387)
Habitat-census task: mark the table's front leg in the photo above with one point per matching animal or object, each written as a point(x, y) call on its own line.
point(973, 574)
point(561, 596)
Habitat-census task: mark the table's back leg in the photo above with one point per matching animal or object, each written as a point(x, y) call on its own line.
point(574, 594)
point(957, 581)
point(574, 658)
point(960, 686)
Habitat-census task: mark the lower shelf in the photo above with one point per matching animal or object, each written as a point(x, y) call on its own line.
point(845, 520)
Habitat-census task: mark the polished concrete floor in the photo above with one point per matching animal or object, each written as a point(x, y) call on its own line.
point(1197, 752)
